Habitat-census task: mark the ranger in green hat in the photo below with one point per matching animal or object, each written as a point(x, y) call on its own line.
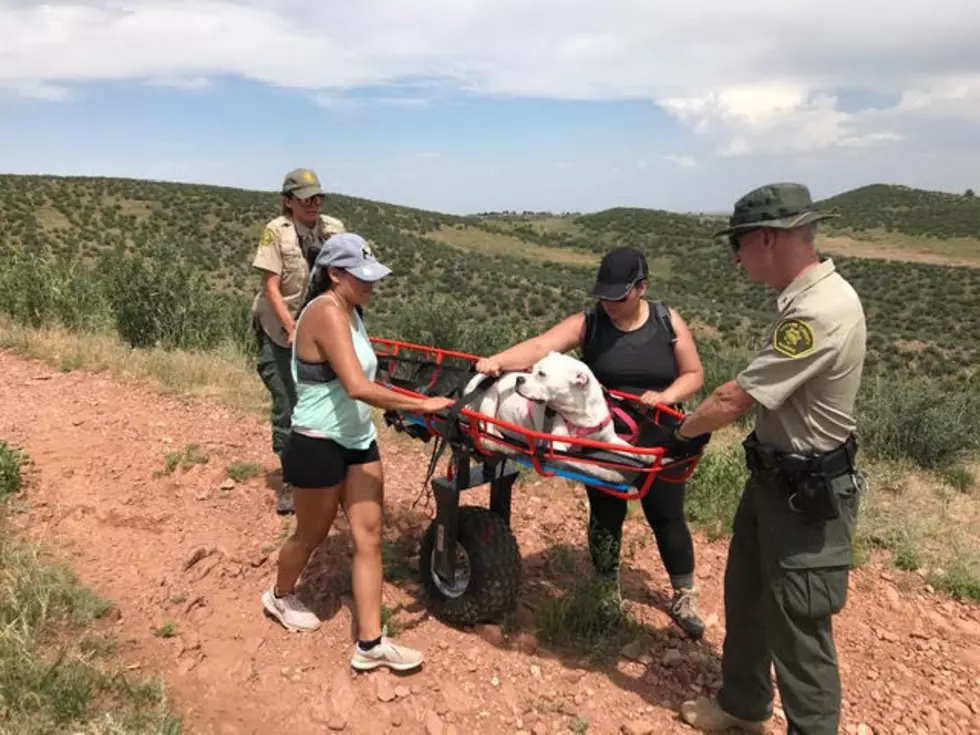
point(791, 550)
point(288, 246)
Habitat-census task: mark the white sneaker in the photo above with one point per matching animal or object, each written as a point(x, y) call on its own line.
point(289, 611)
point(386, 653)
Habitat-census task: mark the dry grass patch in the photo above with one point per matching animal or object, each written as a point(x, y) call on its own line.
point(956, 251)
point(225, 375)
point(474, 240)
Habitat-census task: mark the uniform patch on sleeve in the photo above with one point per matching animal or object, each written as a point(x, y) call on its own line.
point(268, 236)
point(793, 338)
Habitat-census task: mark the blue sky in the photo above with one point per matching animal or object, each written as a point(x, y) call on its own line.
point(470, 105)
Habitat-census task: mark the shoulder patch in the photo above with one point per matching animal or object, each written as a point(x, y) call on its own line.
point(793, 338)
point(268, 237)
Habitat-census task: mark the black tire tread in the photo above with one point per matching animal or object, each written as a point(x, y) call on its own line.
point(495, 569)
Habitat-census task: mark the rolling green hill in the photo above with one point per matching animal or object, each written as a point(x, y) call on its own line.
point(907, 211)
point(169, 264)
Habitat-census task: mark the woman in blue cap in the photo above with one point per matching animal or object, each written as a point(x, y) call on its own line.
point(643, 348)
point(332, 454)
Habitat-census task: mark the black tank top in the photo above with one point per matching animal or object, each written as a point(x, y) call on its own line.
point(632, 362)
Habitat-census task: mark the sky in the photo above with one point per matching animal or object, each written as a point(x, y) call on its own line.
point(475, 105)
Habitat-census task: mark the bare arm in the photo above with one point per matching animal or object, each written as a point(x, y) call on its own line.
point(690, 376)
point(273, 293)
point(330, 328)
point(723, 406)
point(562, 337)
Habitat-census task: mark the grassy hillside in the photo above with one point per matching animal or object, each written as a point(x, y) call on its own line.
point(168, 264)
point(904, 210)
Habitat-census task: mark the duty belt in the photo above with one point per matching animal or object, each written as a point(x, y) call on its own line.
point(761, 457)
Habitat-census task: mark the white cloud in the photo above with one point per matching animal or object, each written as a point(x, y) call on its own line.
point(711, 63)
point(681, 161)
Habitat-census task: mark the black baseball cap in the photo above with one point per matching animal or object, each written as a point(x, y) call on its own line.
point(619, 271)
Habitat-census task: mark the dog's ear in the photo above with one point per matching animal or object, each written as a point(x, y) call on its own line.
point(581, 379)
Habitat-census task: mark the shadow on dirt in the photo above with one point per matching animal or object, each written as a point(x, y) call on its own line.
point(559, 615)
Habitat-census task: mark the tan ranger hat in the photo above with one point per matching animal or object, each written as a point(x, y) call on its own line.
point(302, 184)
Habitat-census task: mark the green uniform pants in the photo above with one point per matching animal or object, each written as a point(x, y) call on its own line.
point(784, 581)
point(274, 369)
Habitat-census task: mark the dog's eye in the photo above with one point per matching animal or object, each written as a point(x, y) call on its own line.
point(541, 374)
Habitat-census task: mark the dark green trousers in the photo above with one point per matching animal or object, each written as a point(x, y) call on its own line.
point(784, 581)
point(274, 368)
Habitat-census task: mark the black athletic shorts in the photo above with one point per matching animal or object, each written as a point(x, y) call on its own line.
point(309, 462)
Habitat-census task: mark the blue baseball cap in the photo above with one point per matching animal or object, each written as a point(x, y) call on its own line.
point(352, 253)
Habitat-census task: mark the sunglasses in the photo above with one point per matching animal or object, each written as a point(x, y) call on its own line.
point(316, 200)
point(734, 240)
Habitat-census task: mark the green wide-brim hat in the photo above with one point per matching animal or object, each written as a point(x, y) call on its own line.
point(783, 206)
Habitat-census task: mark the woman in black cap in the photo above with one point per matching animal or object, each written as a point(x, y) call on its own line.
point(644, 348)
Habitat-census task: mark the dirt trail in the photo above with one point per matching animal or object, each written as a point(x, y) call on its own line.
point(910, 660)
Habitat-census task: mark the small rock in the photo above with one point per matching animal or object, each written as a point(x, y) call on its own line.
point(672, 657)
point(527, 643)
point(401, 692)
point(637, 727)
point(433, 725)
point(535, 671)
point(492, 634)
point(199, 553)
point(959, 709)
point(646, 659)
point(969, 627)
point(865, 730)
point(540, 729)
point(384, 689)
point(711, 621)
point(228, 484)
point(632, 651)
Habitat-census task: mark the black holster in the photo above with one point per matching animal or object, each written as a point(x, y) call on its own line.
point(807, 479)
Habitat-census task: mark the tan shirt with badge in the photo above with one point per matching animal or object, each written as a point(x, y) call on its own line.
point(282, 250)
point(807, 376)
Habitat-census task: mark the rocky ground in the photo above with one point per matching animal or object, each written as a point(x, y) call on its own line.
point(186, 554)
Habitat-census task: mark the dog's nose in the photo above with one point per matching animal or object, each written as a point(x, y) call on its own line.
point(520, 380)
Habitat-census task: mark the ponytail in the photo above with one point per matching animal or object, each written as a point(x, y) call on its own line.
point(320, 283)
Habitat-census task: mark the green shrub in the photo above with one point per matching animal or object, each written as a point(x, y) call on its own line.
point(918, 419)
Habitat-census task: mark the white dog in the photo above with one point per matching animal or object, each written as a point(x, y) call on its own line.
point(567, 386)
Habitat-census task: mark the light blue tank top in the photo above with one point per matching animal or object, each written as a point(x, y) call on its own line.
point(323, 408)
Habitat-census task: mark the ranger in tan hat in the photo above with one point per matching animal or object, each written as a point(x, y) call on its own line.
point(287, 247)
point(791, 550)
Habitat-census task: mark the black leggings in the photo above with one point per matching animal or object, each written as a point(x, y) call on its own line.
point(663, 507)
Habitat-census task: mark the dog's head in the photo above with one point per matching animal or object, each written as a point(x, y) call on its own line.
point(562, 382)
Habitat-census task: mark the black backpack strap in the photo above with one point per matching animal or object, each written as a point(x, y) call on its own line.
point(662, 314)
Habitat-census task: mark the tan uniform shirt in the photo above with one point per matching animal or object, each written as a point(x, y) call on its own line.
point(282, 250)
point(807, 376)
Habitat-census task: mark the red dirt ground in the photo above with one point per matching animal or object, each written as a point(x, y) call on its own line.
point(910, 659)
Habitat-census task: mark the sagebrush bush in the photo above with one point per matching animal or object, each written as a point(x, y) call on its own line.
point(918, 419)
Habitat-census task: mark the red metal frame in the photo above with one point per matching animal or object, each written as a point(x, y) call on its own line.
point(680, 470)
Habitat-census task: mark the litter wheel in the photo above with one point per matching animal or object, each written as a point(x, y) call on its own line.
point(488, 570)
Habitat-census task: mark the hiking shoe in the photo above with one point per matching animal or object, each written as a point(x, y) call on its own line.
point(386, 653)
point(284, 499)
point(684, 611)
point(707, 715)
point(289, 611)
